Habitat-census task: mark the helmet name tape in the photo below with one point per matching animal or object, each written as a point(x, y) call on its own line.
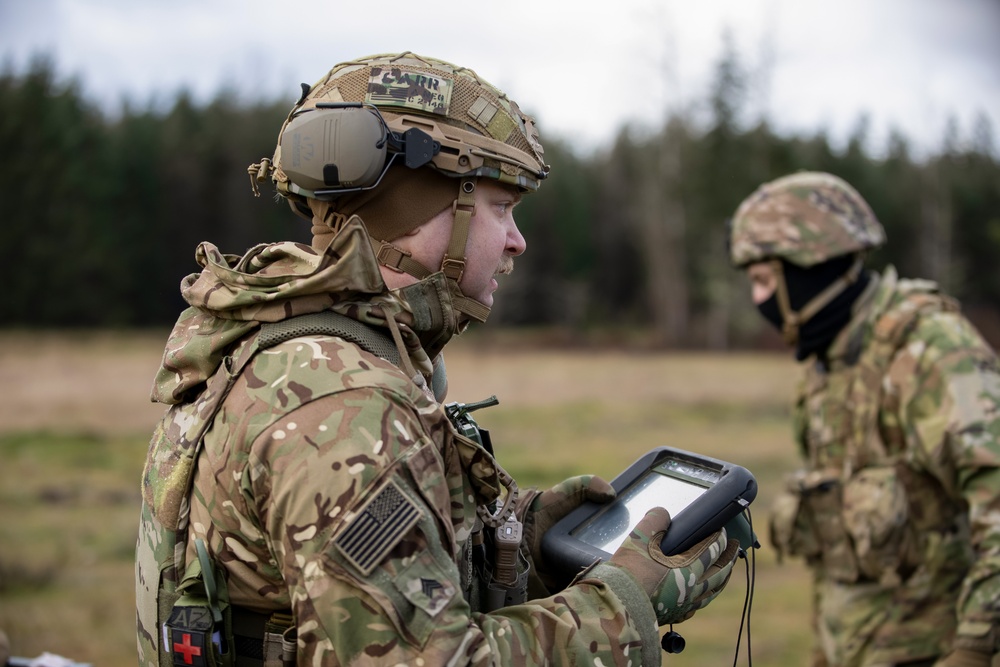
point(395, 87)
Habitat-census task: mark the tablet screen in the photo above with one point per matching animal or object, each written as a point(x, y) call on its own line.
point(672, 485)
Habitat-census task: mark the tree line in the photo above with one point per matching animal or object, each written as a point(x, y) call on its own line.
point(102, 213)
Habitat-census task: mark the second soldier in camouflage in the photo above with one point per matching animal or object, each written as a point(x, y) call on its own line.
point(897, 420)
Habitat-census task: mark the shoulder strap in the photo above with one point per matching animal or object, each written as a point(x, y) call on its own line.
point(183, 449)
point(889, 334)
point(271, 334)
point(329, 323)
point(221, 383)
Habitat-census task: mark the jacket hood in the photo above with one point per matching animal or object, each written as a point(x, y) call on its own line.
point(233, 295)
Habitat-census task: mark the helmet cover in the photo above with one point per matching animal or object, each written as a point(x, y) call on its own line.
point(805, 218)
point(481, 132)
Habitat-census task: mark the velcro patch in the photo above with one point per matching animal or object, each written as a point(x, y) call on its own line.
point(396, 87)
point(482, 110)
point(378, 527)
point(186, 635)
point(426, 586)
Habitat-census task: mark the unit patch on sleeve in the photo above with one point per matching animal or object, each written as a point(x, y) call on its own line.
point(378, 527)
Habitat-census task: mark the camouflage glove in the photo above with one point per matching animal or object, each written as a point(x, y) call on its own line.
point(540, 510)
point(640, 574)
point(963, 657)
point(678, 585)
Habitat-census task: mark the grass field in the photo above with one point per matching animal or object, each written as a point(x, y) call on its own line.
point(75, 420)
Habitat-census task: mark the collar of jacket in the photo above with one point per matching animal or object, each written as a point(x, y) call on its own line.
point(233, 295)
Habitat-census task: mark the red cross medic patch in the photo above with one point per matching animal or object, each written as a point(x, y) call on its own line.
point(187, 635)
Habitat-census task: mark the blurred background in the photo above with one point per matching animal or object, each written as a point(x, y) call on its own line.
point(126, 128)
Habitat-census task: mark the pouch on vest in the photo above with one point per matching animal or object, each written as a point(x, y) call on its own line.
point(790, 533)
point(877, 518)
point(198, 631)
point(821, 497)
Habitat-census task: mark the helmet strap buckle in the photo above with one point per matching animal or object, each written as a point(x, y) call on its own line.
point(463, 209)
point(390, 256)
point(399, 260)
point(453, 268)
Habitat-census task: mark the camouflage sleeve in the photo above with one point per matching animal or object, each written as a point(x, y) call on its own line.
point(951, 410)
point(353, 497)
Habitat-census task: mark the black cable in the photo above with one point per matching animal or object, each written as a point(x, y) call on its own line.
point(751, 569)
point(743, 616)
point(753, 586)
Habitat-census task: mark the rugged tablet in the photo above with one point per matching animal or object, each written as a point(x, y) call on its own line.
point(702, 495)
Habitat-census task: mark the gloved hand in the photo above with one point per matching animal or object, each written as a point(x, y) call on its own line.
point(540, 510)
point(963, 657)
point(678, 585)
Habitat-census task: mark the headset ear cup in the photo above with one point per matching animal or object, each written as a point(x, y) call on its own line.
point(324, 150)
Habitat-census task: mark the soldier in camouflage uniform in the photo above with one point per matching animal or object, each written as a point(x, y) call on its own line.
point(897, 508)
point(306, 497)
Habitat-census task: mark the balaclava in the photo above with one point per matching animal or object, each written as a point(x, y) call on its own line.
point(816, 333)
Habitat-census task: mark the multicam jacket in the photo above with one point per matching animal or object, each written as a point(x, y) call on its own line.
point(897, 510)
point(333, 486)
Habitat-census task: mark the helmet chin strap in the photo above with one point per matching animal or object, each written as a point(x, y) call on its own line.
point(453, 262)
point(793, 320)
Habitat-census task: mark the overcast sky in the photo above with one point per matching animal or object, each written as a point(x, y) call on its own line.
point(583, 68)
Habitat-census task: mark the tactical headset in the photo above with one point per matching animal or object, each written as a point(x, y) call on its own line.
point(340, 147)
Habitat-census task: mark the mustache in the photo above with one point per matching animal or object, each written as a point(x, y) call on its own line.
point(506, 266)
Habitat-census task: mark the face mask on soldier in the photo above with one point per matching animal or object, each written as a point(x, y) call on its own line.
point(816, 333)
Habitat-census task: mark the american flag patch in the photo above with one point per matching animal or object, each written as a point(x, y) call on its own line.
point(378, 527)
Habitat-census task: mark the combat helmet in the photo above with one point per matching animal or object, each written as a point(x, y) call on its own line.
point(393, 110)
point(422, 111)
point(806, 219)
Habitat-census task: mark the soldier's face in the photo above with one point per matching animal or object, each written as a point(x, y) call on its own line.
point(763, 281)
point(494, 240)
